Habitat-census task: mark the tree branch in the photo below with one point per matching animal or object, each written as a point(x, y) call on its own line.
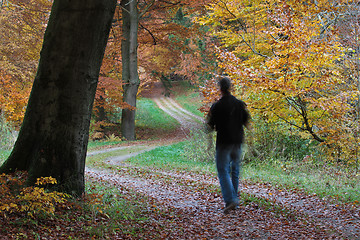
point(146, 8)
point(121, 5)
point(299, 106)
point(152, 35)
point(244, 29)
point(170, 3)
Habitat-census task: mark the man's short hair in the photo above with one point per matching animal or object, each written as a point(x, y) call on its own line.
point(225, 84)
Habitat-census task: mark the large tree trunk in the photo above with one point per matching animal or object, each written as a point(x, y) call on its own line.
point(130, 75)
point(54, 135)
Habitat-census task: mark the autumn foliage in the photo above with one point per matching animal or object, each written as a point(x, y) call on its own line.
point(169, 43)
point(285, 60)
point(16, 197)
point(294, 62)
point(22, 25)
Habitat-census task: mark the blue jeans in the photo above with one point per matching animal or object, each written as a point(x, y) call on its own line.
point(228, 168)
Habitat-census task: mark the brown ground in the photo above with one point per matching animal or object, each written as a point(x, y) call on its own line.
point(185, 205)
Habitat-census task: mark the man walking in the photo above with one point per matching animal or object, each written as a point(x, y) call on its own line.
point(228, 116)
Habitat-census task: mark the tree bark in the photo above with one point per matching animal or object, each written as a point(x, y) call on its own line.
point(130, 75)
point(54, 135)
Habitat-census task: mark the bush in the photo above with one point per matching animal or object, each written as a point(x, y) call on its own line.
point(200, 146)
point(15, 197)
point(274, 142)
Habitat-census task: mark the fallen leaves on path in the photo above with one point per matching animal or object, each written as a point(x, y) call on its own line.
point(189, 206)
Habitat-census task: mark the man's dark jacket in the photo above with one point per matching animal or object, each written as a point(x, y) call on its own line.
point(228, 116)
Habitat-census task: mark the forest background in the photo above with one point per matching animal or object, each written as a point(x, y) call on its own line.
point(296, 65)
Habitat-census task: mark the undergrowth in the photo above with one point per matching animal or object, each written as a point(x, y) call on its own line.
point(16, 197)
point(34, 213)
point(200, 146)
point(105, 201)
point(324, 181)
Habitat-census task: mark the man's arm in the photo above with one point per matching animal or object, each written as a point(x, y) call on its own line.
point(247, 122)
point(245, 115)
point(210, 122)
point(209, 129)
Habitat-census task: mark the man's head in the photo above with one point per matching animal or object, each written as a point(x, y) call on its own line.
point(225, 84)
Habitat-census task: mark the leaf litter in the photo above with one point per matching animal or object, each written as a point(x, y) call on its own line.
point(189, 206)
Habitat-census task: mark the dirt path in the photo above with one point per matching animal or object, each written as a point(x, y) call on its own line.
point(192, 206)
point(184, 117)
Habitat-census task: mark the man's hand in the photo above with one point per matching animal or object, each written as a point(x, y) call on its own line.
point(210, 141)
point(250, 135)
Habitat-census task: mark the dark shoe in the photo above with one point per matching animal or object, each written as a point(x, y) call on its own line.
point(230, 207)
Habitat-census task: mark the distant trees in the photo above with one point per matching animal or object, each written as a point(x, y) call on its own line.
point(164, 42)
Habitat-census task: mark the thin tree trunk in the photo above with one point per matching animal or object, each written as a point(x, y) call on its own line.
point(100, 110)
point(54, 135)
point(130, 75)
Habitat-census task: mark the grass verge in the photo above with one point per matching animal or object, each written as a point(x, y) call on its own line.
point(94, 145)
point(323, 181)
point(316, 180)
point(191, 102)
point(99, 160)
point(171, 157)
point(104, 212)
point(151, 121)
point(114, 206)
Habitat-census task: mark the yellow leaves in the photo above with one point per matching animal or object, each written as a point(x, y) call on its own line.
point(36, 200)
point(45, 180)
point(285, 66)
point(22, 24)
point(30, 200)
point(7, 207)
point(233, 22)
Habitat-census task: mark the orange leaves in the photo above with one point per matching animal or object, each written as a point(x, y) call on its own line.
point(22, 24)
point(284, 58)
point(210, 93)
point(108, 98)
point(13, 97)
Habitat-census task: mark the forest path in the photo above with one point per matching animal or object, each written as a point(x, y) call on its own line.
point(191, 204)
point(187, 119)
